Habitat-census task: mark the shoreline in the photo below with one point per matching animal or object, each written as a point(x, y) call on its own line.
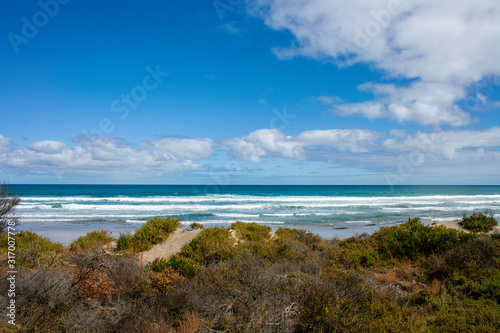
point(67, 235)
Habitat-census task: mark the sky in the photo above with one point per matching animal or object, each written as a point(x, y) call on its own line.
point(386, 92)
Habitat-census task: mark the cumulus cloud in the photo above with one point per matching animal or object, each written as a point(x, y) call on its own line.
point(264, 142)
point(99, 154)
point(273, 143)
point(450, 144)
point(443, 47)
point(5, 144)
point(48, 146)
point(373, 151)
point(182, 148)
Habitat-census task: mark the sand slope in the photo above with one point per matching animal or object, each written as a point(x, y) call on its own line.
point(169, 247)
point(456, 226)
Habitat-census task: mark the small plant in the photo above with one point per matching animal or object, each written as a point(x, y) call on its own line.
point(32, 249)
point(313, 241)
point(123, 242)
point(154, 231)
point(413, 240)
point(478, 222)
point(251, 231)
point(92, 239)
point(8, 204)
point(184, 266)
point(196, 225)
point(210, 246)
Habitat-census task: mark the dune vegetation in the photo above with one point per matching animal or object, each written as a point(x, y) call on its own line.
point(244, 278)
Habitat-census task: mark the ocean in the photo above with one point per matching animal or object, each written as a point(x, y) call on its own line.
point(65, 212)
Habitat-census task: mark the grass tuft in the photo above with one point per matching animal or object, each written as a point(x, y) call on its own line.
point(154, 231)
point(96, 238)
point(478, 222)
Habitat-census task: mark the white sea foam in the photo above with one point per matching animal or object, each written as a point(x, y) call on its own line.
point(216, 208)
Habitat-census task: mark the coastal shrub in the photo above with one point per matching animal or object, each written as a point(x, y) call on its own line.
point(123, 242)
point(313, 241)
point(245, 294)
point(413, 240)
point(32, 250)
point(8, 205)
point(338, 304)
point(478, 222)
point(210, 246)
point(184, 266)
point(251, 231)
point(96, 238)
point(154, 231)
point(196, 225)
point(356, 252)
point(472, 269)
point(42, 296)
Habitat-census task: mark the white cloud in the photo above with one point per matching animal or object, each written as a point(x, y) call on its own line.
point(264, 142)
point(461, 151)
point(354, 140)
point(5, 144)
point(449, 144)
point(182, 148)
point(106, 155)
point(272, 142)
point(329, 99)
point(423, 102)
point(48, 146)
point(444, 46)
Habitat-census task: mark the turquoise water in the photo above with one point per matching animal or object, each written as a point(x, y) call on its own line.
point(64, 212)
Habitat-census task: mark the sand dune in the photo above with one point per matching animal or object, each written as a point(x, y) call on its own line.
point(168, 247)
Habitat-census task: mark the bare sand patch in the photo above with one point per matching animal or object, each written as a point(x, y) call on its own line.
point(455, 225)
point(172, 245)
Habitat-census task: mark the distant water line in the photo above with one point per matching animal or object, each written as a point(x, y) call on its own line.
point(323, 209)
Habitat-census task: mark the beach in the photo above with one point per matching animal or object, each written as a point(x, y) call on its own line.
point(65, 212)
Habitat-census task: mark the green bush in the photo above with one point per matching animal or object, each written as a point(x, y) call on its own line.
point(196, 225)
point(210, 246)
point(31, 249)
point(413, 240)
point(356, 252)
point(184, 266)
point(251, 231)
point(154, 231)
point(313, 241)
point(471, 269)
point(478, 222)
point(123, 242)
point(337, 305)
point(92, 239)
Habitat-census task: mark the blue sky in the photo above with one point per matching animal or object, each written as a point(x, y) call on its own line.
point(250, 92)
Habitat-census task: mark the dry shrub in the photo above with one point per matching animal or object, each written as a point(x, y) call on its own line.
point(436, 286)
point(190, 325)
point(96, 286)
point(338, 304)
point(163, 280)
point(42, 295)
point(387, 276)
point(244, 293)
